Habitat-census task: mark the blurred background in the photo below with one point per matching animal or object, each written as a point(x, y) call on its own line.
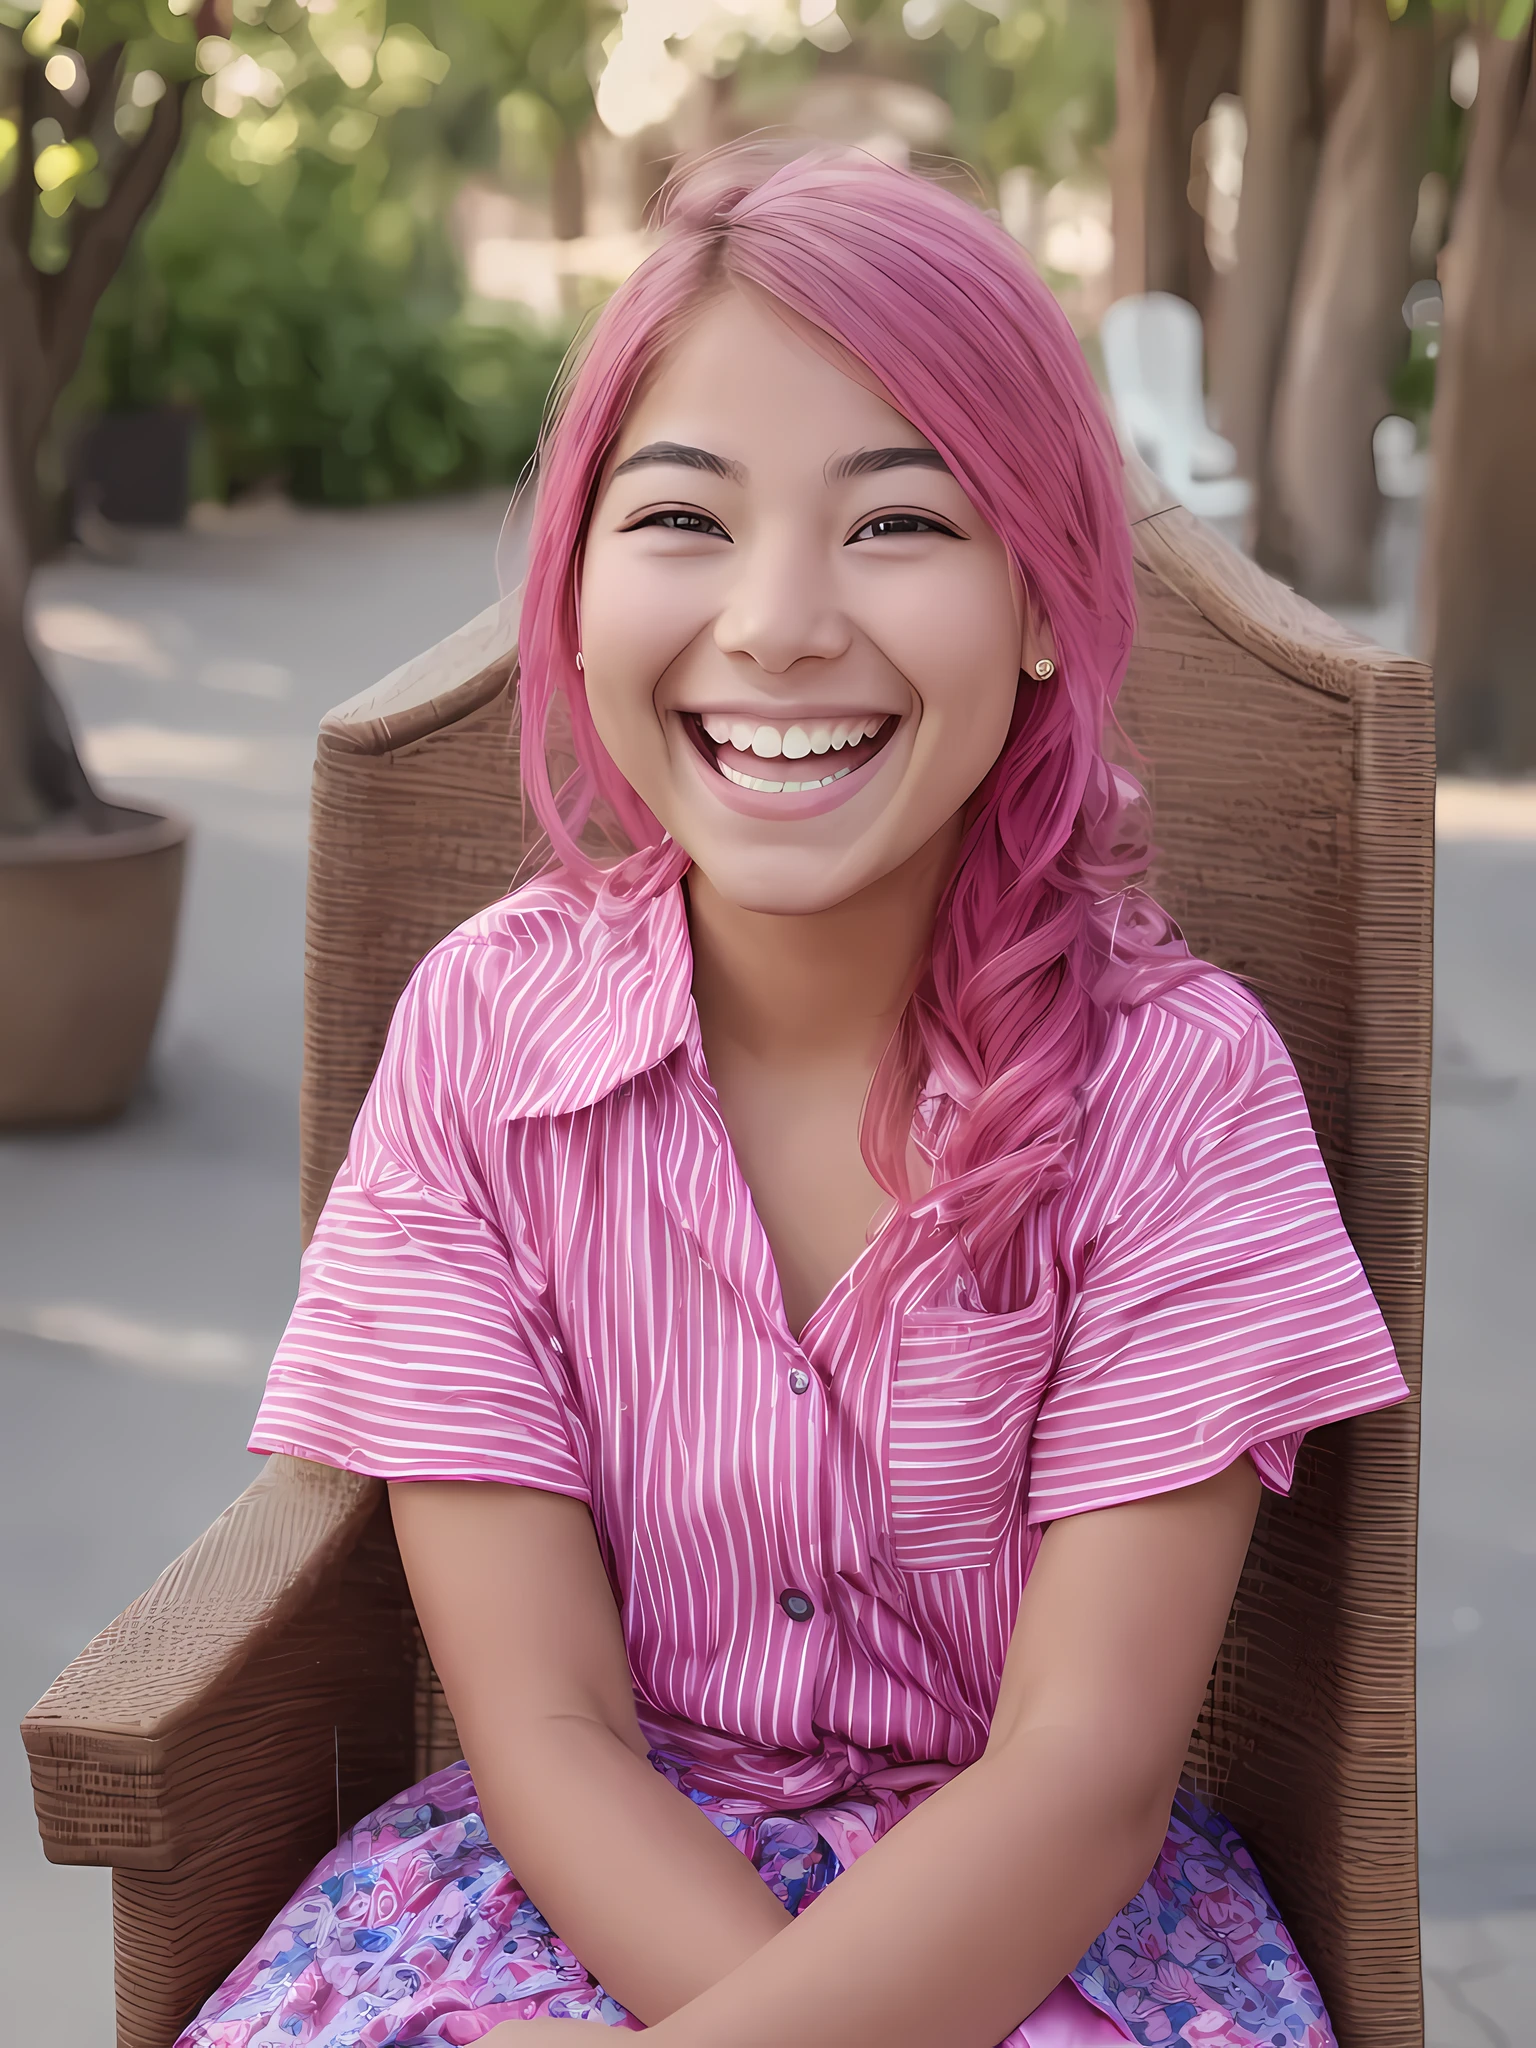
point(283, 285)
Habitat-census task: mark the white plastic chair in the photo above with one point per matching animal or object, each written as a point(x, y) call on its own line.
point(1402, 466)
point(1154, 358)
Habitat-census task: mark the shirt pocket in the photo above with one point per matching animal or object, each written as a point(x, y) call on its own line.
point(964, 1395)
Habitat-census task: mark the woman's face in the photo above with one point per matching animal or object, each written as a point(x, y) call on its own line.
point(801, 640)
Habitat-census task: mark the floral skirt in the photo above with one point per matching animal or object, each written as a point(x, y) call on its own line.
point(413, 1932)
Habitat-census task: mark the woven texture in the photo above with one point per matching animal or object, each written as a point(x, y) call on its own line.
point(1291, 767)
point(1292, 784)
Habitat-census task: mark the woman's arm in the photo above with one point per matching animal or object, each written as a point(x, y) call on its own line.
point(962, 1918)
point(520, 1620)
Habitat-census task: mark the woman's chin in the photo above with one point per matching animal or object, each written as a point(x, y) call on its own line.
point(781, 881)
point(777, 885)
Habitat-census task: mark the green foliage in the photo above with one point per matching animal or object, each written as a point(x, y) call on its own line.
point(296, 284)
point(1028, 82)
point(1412, 387)
point(93, 110)
point(322, 343)
point(1509, 18)
point(1058, 61)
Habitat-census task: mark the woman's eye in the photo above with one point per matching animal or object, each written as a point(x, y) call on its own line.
point(889, 523)
point(681, 522)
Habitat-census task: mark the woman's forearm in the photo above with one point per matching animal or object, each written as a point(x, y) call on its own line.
point(960, 1920)
point(630, 1874)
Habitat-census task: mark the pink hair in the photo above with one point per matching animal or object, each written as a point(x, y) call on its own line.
point(1037, 935)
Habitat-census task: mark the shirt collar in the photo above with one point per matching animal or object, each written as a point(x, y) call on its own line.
point(605, 974)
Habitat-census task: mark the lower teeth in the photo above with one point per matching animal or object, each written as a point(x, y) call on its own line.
point(779, 788)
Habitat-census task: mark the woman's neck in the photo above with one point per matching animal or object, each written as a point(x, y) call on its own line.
point(832, 983)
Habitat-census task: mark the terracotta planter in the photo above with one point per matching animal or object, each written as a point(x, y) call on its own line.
point(87, 929)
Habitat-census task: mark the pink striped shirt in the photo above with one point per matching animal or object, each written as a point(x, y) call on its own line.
point(540, 1265)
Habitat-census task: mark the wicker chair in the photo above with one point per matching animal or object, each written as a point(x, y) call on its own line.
point(271, 1685)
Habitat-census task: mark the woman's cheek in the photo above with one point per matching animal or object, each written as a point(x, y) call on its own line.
point(634, 629)
point(952, 637)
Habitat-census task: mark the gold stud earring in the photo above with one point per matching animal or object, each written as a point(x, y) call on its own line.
point(1045, 668)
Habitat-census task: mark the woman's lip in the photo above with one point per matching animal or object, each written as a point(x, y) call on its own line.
point(781, 721)
point(786, 804)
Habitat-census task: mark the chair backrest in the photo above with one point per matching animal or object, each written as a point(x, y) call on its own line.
point(1291, 768)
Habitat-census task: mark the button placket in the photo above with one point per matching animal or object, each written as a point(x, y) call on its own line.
point(802, 1551)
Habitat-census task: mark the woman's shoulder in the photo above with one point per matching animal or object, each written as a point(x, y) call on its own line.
point(537, 921)
point(1196, 1137)
point(1169, 1059)
point(554, 993)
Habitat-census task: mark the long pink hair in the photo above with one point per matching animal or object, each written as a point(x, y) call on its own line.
point(1039, 933)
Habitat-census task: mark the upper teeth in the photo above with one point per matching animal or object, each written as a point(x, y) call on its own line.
point(795, 742)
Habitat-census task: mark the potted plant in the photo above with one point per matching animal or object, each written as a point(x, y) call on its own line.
point(91, 96)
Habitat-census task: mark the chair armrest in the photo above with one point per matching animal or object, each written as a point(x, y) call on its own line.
point(267, 1672)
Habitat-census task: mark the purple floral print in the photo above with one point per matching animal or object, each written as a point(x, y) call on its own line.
point(413, 1932)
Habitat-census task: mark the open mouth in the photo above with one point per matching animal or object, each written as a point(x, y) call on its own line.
point(788, 760)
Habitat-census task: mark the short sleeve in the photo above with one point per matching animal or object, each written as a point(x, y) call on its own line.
point(1222, 1308)
point(420, 1346)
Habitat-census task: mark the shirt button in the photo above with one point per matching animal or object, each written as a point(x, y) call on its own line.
point(798, 1606)
point(799, 1380)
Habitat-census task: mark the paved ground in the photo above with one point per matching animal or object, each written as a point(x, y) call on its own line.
point(146, 1270)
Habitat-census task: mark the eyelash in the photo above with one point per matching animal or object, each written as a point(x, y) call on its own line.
point(903, 522)
point(674, 522)
point(895, 523)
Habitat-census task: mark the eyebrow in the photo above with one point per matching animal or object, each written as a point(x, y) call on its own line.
point(862, 462)
point(681, 456)
point(869, 461)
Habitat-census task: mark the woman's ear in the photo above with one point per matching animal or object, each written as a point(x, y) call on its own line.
point(1037, 643)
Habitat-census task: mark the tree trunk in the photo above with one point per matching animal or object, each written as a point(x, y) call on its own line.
point(40, 773)
point(1282, 94)
point(1135, 67)
point(568, 190)
point(44, 322)
point(22, 808)
point(1479, 592)
point(1345, 333)
point(1173, 58)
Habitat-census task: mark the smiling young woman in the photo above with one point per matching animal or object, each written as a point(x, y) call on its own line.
point(827, 1289)
point(792, 613)
point(793, 616)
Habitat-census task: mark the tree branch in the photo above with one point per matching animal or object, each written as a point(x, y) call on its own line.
point(21, 340)
point(100, 92)
point(103, 238)
point(22, 196)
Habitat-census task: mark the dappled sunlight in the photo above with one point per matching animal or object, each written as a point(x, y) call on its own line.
point(167, 1351)
point(271, 766)
point(82, 632)
point(1470, 809)
point(528, 270)
point(86, 634)
point(244, 678)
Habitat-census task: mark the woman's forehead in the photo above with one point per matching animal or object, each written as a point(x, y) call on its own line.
point(750, 366)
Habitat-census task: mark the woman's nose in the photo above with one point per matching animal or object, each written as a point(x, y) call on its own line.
point(781, 607)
